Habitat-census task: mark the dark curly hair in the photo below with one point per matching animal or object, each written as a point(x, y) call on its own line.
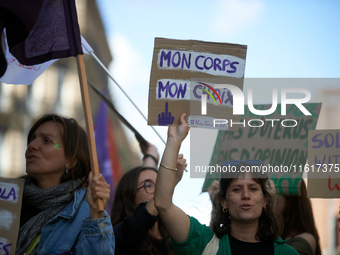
point(270, 226)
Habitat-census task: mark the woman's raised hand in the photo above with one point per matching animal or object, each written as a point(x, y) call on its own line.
point(179, 132)
point(181, 165)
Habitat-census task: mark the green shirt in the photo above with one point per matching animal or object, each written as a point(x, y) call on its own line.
point(200, 235)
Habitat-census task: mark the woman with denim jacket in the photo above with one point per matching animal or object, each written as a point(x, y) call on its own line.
point(59, 214)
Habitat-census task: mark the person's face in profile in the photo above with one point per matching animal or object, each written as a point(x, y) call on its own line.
point(145, 186)
point(244, 200)
point(45, 156)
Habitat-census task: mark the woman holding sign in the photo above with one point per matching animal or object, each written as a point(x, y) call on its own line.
point(244, 223)
point(59, 214)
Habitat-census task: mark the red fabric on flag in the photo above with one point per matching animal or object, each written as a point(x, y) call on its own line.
point(114, 155)
point(39, 30)
point(107, 151)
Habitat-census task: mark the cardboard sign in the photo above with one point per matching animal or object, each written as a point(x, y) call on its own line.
point(283, 150)
point(323, 164)
point(11, 191)
point(183, 70)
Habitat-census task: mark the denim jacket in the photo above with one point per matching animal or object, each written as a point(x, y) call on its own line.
point(73, 232)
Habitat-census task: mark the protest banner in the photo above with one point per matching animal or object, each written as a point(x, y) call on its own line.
point(279, 144)
point(11, 191)
point(323, 164)
point(184, 70)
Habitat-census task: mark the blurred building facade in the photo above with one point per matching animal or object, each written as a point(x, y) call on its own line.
point(57, 90)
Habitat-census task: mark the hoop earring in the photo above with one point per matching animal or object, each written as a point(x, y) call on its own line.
point(225, 210)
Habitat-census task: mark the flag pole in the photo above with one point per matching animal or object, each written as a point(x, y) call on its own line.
point(88, 120)
point(138, 136)
point(127, 96)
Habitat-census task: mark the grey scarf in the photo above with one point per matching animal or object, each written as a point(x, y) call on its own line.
point(49, 202)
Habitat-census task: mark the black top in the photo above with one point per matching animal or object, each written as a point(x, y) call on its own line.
point(244, 248)
point(133, 230)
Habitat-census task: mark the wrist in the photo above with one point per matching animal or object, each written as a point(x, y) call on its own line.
point(174, 141)
point(96, 215)
point(152, 157)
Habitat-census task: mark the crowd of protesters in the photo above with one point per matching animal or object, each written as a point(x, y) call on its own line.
point(60, 213)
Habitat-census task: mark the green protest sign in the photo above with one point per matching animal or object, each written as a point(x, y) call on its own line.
point(281, 142)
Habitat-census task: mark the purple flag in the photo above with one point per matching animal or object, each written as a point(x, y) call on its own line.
point(17, 73)
point(39, 30)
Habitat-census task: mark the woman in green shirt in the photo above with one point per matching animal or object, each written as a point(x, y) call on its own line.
point(244, 223)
